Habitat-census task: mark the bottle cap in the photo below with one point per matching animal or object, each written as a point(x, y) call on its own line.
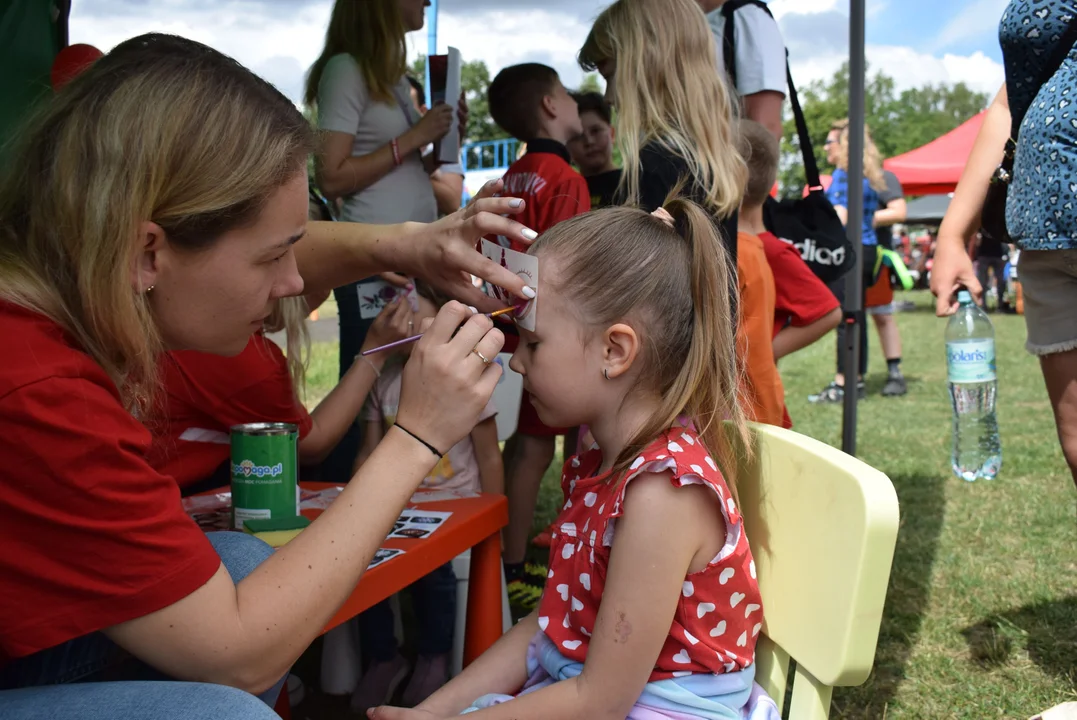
point(963, 297)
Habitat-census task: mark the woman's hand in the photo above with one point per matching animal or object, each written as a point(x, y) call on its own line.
point(435, 124)
point(393, 323)
point(446, 382)
point(443, 253)
point(951, 270)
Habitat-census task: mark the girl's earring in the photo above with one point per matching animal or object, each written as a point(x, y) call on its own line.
point(606, 373)
point(150, 289)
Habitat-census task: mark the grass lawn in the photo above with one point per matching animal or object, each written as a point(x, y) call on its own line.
point(981, 614)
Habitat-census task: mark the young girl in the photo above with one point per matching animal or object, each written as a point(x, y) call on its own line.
point(674, 111)
point(652, 607)
point(472, 465)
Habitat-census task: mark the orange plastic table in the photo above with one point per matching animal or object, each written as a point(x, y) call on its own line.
point(476, 524)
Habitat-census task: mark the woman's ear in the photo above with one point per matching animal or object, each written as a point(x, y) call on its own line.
point(145, 264)
point(620, 350)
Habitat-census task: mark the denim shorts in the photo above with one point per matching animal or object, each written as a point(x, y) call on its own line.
point(1049, 282)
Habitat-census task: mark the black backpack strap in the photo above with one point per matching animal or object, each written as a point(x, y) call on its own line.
point(807, 151)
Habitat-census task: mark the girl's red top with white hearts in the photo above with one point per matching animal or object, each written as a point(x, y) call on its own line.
point(720, 613)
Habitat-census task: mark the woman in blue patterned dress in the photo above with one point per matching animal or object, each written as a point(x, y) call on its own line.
point(1041, 209)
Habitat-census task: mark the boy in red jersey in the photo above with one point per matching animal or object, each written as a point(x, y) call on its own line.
point(529, 102)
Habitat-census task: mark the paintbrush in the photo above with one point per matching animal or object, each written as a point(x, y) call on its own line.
point(413, 338)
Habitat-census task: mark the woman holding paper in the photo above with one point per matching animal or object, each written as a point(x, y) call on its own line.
point(169, 211)
point(370, 156)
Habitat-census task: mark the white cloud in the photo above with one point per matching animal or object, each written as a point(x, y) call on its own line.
point(280, 40)
point(976, 19)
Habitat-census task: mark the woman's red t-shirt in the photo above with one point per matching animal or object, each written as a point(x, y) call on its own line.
point(92, 535)
point(205, 395)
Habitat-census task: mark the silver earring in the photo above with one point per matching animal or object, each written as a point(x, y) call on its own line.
point(150, 289)
point(606, 373)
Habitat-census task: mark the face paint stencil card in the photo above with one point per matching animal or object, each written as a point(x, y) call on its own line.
point(374, 295)
point(523, 266)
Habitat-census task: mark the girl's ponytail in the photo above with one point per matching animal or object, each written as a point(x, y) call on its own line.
point(709, 383)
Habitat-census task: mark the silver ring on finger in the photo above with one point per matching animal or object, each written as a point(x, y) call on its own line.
point(411, 325)
point(485, 360)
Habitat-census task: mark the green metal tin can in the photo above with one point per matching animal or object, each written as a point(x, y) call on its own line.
point(264, 472)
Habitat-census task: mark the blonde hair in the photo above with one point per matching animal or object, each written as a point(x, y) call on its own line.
point(668, 90)
point(873, 164)
point(623, 265)
point(761, 152)
point(372, 32)
point(290, 315)
point(161, 129)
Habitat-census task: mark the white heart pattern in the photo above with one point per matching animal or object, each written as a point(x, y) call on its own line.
point(674, 447)
point(751, 568)
point(756, 629)
point(636, 463)
point(696, 469)
point(734, 599)
point(566, 623)
point(562, 590)
point(688, 438)
point(688, 636)
point(567, 550)
point(575, 462)
point(730, 667)
point(725, 576)
point(602, 508)
point(594, 536)
point(742, 641)
point(549, 574)
point(729, 504)
point(585, 580)
point(571, 644)
point(568, 529)
point(710, 462)
point(590, 499)
point(719, 629)
point(688, 589)
point(681, 673)
point(682, 658)
point(704, 608)
point(751, 608)
point(585, 631)
point(576, 605)
point(544, 622)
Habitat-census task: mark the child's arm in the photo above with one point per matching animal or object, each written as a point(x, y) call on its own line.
point(334, 414)
point(658, 538)
point(790, 338)
point(373, 432)
point(488, 455)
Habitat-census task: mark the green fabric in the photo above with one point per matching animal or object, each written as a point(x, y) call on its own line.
point(29, 41)
point(895, 263)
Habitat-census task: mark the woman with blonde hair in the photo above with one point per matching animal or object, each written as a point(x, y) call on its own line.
point(837, 153)
point(674, 111)
point(169, 188)
point(370, 155)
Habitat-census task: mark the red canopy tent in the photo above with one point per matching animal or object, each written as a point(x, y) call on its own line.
point(935, 168)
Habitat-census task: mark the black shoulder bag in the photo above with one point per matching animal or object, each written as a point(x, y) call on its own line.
point(993, 215)
point(809, 223)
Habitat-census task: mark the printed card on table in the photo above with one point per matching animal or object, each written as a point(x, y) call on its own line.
point(524, 266)
point(375, 295)
point(415, 524)
point(382, 555)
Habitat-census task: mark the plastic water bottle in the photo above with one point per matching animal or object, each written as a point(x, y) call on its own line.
point(970, 369)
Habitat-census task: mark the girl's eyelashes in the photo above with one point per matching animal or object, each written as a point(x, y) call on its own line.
point(532, 345)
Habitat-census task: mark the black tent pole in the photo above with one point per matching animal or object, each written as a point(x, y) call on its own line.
point(854, 301)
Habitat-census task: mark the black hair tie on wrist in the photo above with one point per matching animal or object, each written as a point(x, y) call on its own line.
point(428, 446)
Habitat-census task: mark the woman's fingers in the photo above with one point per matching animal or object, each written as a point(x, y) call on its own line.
point(487, 220)
point(396, 280)
point(469, 335)
point(445, 323)
point(485, 268)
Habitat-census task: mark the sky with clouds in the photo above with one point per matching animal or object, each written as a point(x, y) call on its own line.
point(914, 41)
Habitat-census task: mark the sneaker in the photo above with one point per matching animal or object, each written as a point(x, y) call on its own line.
point(379, 684)
point(431, 673)
point(525, 592)
point(895, 386)
point(834, 393)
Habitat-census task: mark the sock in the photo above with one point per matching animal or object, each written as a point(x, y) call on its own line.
point(513, 571)
point(894, 367)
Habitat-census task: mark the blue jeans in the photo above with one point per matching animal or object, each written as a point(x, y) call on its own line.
point(91, 677)
point(337, 467)
point(434, 600)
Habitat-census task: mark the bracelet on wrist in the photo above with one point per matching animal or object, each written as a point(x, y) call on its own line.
point(425, 444)
point(368, 361)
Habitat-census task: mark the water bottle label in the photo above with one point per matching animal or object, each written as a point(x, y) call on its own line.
point(970, 361)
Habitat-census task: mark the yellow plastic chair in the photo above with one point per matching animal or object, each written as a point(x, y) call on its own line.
point(822, 527)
